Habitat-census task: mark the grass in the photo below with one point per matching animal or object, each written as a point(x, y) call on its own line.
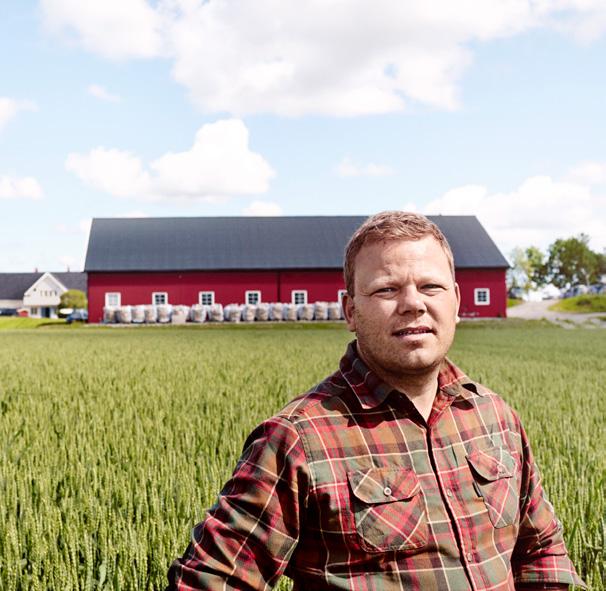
point(511, 302)
point(582, 304)
point(13, 322)
point(115, 441)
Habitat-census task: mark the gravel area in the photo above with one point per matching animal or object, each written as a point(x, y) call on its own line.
point(540, 310)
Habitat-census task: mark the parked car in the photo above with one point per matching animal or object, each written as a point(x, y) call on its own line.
point(597, 288)
point(78, 315)
point(8, 312)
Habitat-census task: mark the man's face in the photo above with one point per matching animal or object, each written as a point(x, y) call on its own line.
point(405, 306)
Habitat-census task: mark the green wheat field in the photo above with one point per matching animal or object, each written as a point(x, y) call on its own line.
point(115, 441)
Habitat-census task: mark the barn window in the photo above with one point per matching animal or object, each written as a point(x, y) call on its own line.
point(112, 298)
point(340, 295)
point(252, 297)
point(481, 296)
point(206, 298)
point(159, 298)
point(299, 296)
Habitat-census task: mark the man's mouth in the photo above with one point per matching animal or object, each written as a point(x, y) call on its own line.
point(412, 330)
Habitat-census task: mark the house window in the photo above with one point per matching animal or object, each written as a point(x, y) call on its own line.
point(159, 298)
point(481, 296)
point(299, 296)
point(206, 298)
point(252, 297)
point(112, 299)
point(34, 311)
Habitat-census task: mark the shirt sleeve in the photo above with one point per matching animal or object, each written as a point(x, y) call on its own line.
point(540, 554)
point(249, 535)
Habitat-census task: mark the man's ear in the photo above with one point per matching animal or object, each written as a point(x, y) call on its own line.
point(458, 292)
point(347, 302)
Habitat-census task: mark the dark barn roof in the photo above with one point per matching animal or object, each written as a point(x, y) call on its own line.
point(14, 285)
point(239, 243)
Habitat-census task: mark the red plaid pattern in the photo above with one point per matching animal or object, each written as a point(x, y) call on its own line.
point(349, 488)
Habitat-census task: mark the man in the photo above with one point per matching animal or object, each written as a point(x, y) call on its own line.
point(396, 472)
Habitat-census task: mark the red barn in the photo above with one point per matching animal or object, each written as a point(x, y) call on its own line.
point(261, 259)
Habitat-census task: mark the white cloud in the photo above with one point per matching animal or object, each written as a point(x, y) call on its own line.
point(341, 57)
point(585, 20)
point(10, 107)
point(20, 188)
point(263, 208)
point(102, 93)
point(540, 210)
point(347, 168)
point(591, 173)
point(116, 29)
point(220, 164)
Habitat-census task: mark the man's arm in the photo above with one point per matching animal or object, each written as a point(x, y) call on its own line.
point(248, 536)
point(540, 555)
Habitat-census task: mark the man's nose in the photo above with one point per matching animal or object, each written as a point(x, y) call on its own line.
point(411, 301)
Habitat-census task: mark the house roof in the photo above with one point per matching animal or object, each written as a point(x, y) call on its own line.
point(237, 243)
point(14, 285)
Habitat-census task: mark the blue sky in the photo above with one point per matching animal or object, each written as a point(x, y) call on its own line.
point(192, 108)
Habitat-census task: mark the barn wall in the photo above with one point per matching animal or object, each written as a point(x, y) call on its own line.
point(230, 287)
point(493, 279)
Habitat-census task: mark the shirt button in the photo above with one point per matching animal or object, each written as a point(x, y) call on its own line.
point(449, 493)
point(469, 556)
point(387, 491)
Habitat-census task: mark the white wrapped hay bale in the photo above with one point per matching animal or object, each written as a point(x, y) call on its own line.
point(233, 313)
point(138, 314)
point(262, 312)
point(215, 313)
point(249, 312)
point(198, 313)
point(334, 311)
point(124, 314)
point(321, 311)
point(109, 314)
point(164, 313)
point(150, 314)
point(276, 311)
point(305, 312)
point(180, 314)
point(289, 312)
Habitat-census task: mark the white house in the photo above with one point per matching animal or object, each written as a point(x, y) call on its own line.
point(37, 294)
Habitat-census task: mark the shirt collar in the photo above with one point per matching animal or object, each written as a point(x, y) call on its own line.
point(371, 391)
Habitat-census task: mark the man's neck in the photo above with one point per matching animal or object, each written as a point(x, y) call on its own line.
point(420, 388)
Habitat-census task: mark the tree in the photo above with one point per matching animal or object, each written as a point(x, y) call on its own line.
point(537, 267)
point(73, 298)
point(528, 268)
point(571, 262)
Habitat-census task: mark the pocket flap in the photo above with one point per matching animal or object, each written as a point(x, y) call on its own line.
point(384, 485)
point(492, 463)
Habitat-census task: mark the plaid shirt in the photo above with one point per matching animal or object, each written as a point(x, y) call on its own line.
point(349, 488)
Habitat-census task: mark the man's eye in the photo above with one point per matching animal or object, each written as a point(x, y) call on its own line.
point(385, 290)
point(432, 287)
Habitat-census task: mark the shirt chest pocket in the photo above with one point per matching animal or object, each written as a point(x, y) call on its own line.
point(494, 472)
point(388, 509)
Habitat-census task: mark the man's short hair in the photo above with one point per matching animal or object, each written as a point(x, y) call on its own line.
point(391, 225)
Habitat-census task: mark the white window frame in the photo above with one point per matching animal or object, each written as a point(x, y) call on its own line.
point(477, 298)
point(160, 293)
point(252, 292)
point(296, 292)
point(109, 294)
point(202, 294)
point(340, 295)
